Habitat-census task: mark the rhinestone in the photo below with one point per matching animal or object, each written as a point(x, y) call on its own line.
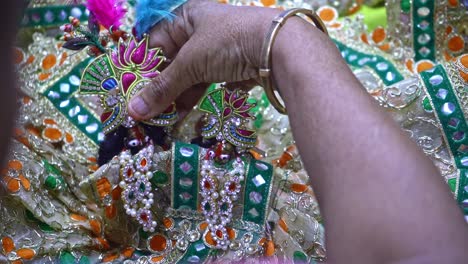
point(63, 15)
point(82, 119)
point(442, 94)
point(423, 11)
point(423, 25)
point(64, 103)
point(458, 135)
point(261, 166)
point(199, 247)
point(424, 51)
point(464, 161)
point(53, 95)
point(74, 80)
point(185, 196)
point(186, 182)
point(258, 180)
point(423, 39)
point(363, 61)
point(465, 203)
point(253, 212)
point(463, 149)
point(186, 151)
point(352, 57)
point(390, 76)
point(466, 188)
point(185, 167)
point(382, 66)
point(92, 128)
point(101, 137)
point(448, 108)
point(76, 12)
point(454, 122)
point(436, 80)
point(65, 88)
point(112, 101)
point(49, 16)
point(74, 111)
point(255, 197)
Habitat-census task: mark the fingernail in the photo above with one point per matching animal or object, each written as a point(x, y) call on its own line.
point(139, 106)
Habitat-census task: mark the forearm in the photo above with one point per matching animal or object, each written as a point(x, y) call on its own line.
point(370, 179)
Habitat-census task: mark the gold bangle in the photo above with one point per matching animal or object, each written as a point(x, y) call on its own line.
point(265, 65)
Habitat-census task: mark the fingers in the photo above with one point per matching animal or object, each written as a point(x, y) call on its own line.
point(160, 93)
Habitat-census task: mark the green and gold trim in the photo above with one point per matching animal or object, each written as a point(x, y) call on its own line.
point(257, 192)
point(53, 16)
point(185, 169)
point(424, 38)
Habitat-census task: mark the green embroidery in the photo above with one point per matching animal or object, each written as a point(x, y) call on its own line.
point(454, 125)
point(51, 16)
point(257, 191)
point(62, 96)
point(185, 176)
point(423, 30)
point(386, 71)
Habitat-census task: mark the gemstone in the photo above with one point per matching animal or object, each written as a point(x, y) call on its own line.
point(261, 166)
point(423, 25)
point(436, 80)
point(63, 15)
point(199, 247)
point(112, 101)
point(454, 122)
point(92, 128)
point(382, 66)
point(424, 51)
point(448, 108)
point(405, 6)
point(158, 243)
point(352, 57)
point(51, 183)
point(219, 233)
point(426, 104)
point(423, 11)
point(131, 195)
point(458, 135)
point(185, 167)
point(143, 162)
point(363, 61)
point(101, 137)
point(442, 94)
point(193, 259)
point(49, 16)
point(127, 80)
point(224, 207)
point(65, 87)
point(109, 84)
point(53, 95)
point(253, 212)
point(186, 182)
point(36, 17)
point(186, 151)
point(258, 180)
point(185, 196)
point(255, 197)
point(142, 187)
point(232, 186)
point(76, 12)
point(463, 149)
point(466, 188)
point(424, 38)
point(74, 80)
point(465, 203)
point(299, 256)
point(74, 111)
point(207, 207)
point(144, 217)
point(159, 177)
point(390, 76)
point(82, 119)
point(206, 184)
point(464, 161)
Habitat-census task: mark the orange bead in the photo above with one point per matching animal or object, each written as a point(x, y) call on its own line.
point(203, 226)
point(30, 59)
point(409, 65)
point(69, 138)
point(209, 239)
point(268, 2)
point(157, 259)
point(283, 225)
point(52, 134)
point(327, 14)
point(103, 187)
point(13, 185)
point(456, 44)
point(103, 244)
point(49, 61)
point(158, 243)
point(77, 217)
point(385, 47)
point(299, 188)
point(25, 182)
point(110, 257)
point(269, 248)
point(63, 58)
point(8, 245)
point(15, 165)
point(95, 226)
point(111, 211)
point(453, 3)
point(128, 252)
point(116, 193)
point(48, 121)
point(424, 65)
point(364, 38)
point(231, 233)
point(26, 253)
point(379, 35)
point(168, 222)
point(43, 76)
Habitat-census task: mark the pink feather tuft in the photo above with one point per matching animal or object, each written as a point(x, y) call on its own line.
point(107, 12)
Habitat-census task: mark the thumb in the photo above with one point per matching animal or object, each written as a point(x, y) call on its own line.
point(161, 92)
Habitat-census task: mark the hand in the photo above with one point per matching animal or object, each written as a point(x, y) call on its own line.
point(206, 43)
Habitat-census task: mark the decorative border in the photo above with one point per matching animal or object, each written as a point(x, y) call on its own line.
point(423, 16)
point(185, 172)
point(53, 15)
point(386, 71)
point(62, 96)
point(257, 187)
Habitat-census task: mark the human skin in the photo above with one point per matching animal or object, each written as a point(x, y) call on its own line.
point(382, 199)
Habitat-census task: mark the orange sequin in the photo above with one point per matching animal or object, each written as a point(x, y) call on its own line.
point(15, 165)
point(25, 182)
point(8, 245)
point(52, 134)
point(158, 243)
point(379, 35)
point(103, 187)
point(456, 43)
point(26, 253)
point(327, 14)
point(49, 61)
point(110, 257)
point(128, 252)
point(283, 225)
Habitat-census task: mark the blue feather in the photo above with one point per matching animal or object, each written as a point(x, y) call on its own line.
point(150, 12)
